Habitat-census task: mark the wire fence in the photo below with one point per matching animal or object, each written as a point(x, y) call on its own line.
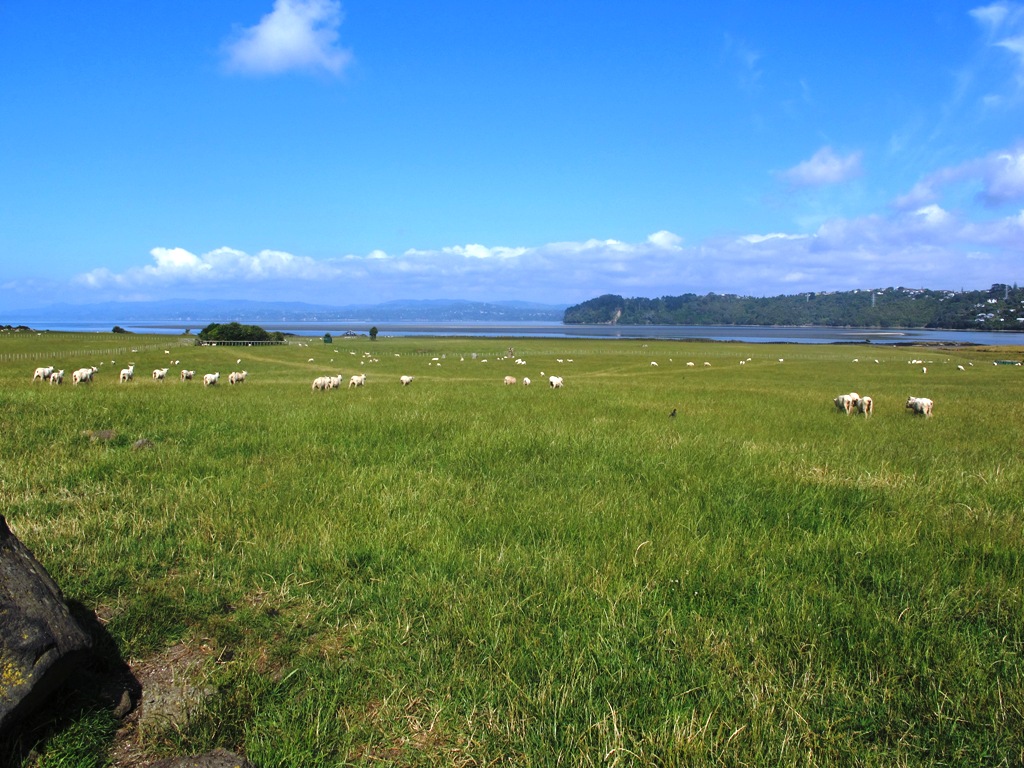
point(92, 352)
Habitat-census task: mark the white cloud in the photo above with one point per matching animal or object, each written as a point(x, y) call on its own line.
point(754, 239)
point(933, 215)
point(924, 246)
point(665, 239)
point(295, 35)
point(824, 167)
point(992, 16)
point(176, 266)
point(1004, 25)
point(995, 180)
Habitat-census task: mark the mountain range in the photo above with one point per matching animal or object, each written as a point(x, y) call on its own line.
point(214, 310)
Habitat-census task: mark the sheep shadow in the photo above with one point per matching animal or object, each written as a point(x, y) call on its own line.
point(96, 696)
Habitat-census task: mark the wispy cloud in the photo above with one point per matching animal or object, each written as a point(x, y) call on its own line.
point(747, 59)
point(1003, 23)
point(295, 35)
point(823, 168)
point(996, 179)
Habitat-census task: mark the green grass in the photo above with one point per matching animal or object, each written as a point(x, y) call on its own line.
point(460, 572)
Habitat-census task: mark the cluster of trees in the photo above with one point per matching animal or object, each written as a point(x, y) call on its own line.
point(237, 332)
point(1000, 307)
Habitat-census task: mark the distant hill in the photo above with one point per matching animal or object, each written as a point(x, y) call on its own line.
point(1001, 307)
point(200, 311)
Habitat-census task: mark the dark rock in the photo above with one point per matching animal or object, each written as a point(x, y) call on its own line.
point(219, 758)
point(40, 642)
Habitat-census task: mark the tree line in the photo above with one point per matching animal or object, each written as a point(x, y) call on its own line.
point(1000, 307)
point(238, 332)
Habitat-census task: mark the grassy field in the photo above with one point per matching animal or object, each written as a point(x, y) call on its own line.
point(460, 572)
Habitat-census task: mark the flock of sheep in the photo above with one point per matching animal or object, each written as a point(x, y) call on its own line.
point(85, 375)
point(848, 403)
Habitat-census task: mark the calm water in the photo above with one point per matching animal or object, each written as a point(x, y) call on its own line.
point(800, 335)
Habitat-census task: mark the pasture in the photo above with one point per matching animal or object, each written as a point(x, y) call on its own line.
point(460, 572)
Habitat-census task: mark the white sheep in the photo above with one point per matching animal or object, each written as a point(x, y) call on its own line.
point(321, 383)
point(555, 382)
point(406, 380)
point(127, 374)
point(357, 380)
point(510, 380)
point(920, 406)
point(844, 403)
point(42, 373)
point(865, 405)
point(237, 377)
point(526, 381)
point(211, 379)
point(83, 375)
point(652, 363)
point(160, 374)
point(960, 368)
point(57, 377)
point(689, 365)
point(187, 375)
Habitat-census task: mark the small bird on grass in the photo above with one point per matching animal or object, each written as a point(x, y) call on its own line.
point(673, 414)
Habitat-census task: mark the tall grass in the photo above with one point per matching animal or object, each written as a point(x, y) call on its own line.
point(459, 572)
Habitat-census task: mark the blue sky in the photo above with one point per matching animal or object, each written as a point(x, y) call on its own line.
point(364, 151)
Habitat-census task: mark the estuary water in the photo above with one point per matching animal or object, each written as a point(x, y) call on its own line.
point(747, 333)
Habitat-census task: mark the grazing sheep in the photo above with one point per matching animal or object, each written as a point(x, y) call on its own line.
point(920, 406)
point(127, 374)
point(689, 365)
point(237, 377)
point(865, 405)
point(960, 368)
point(211, 379)
point(526, 381)
point(707, 365)
point(321, 382)
point(555, 382)
point(652, 363)
point(187, 375)
point(844, 404)
point(42, 373)
point(57, 377)
point(406, 380)
point(357, 380)
point(160, 374)
point(510, 380)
